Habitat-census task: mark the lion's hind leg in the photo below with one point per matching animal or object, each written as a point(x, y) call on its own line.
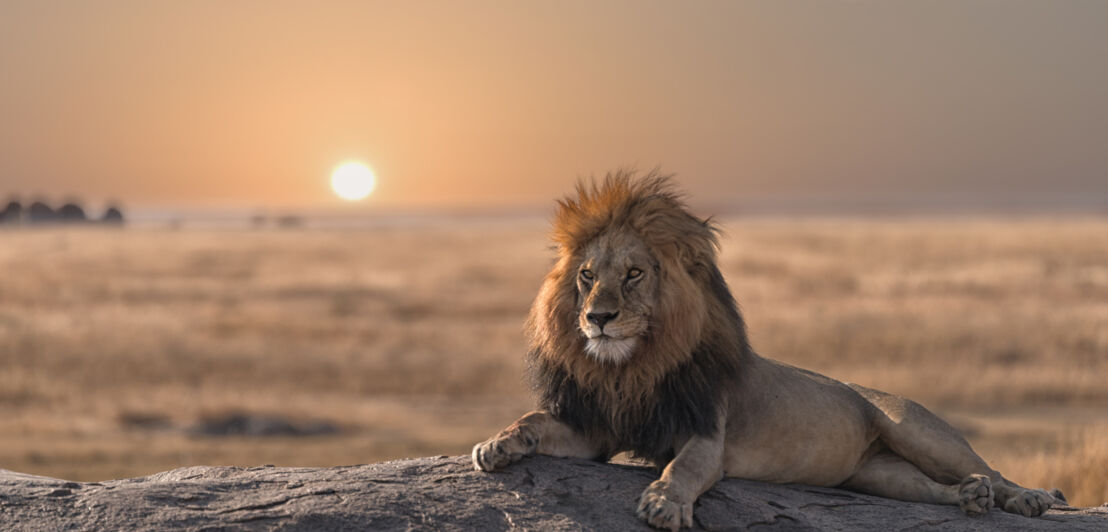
point(941, 453)
point(888, 475)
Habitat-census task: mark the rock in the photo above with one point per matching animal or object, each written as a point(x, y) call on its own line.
point(539, 493)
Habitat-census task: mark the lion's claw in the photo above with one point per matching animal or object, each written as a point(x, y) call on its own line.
point(501, 450)
point(490, 456)
point(662, 510)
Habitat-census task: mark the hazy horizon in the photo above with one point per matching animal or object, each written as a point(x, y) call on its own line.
point(763, 105)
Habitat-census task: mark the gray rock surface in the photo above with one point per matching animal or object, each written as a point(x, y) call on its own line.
point(444, 493)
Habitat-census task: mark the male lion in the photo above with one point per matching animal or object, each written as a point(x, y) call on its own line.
point(637, 345)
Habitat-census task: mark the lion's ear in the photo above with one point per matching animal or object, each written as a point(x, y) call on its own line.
point(692, 241)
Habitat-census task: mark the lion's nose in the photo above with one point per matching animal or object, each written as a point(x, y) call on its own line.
point(600, 318)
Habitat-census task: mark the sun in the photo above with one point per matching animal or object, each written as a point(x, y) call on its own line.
point(353, 181)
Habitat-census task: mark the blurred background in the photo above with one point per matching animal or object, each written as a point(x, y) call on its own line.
point(308, 234)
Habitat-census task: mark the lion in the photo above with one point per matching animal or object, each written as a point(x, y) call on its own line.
point(637, 345)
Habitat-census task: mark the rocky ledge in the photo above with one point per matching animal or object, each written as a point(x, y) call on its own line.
point(445, 493)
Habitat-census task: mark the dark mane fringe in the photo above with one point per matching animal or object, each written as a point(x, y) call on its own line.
point(673, 387)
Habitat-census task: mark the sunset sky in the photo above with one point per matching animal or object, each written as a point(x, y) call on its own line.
point(465, 103)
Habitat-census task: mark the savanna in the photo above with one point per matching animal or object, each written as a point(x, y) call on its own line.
point(405, 340)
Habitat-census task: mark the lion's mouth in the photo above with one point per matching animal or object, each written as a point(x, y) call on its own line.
point(610, 332)
point(604, 336)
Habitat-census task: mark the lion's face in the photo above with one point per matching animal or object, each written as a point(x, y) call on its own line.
point(617, 283)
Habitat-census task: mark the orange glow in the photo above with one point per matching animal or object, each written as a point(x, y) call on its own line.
point(479, 103)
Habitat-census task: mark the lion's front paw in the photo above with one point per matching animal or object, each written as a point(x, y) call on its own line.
point(491, 455)
point(500, 451)
point(1029, 503)
point(662, 509)
point(975, 495)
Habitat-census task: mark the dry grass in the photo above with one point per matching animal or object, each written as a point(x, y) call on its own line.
point(410, 338)
point(1082, 473)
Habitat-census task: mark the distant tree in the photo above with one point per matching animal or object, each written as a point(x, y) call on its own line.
point(71, 213)
point(290, 221)
point(40, 212)
point(112, 216)
point(12, 214)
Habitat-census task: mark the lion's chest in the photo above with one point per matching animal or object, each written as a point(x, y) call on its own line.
point(648, 426)
point(649, 431)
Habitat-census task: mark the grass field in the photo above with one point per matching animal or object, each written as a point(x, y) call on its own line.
point(114, 343)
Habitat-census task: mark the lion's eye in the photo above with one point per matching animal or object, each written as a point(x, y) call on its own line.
point(633, 273)
point(586, 275)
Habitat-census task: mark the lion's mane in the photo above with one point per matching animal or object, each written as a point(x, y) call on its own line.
point(693, 349)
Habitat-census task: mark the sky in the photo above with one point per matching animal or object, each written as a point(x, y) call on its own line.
point(979, 103)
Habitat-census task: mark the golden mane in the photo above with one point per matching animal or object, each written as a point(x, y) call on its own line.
point(694, 314)
point(648, 206)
